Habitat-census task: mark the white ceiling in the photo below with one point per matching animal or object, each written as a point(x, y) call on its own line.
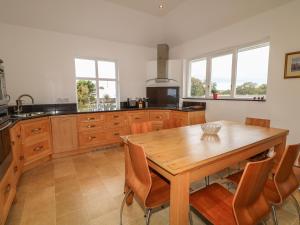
point(150, 6)
point(133, 21)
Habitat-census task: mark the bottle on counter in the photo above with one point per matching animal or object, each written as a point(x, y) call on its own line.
point(140, 103)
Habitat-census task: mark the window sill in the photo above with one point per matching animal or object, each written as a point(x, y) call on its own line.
point(228, 99)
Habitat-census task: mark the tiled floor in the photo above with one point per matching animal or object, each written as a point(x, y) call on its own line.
point(87, 190)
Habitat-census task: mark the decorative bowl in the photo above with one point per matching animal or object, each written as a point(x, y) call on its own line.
point(211, 128)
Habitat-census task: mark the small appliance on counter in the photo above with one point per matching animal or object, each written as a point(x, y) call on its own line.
point(132, 103)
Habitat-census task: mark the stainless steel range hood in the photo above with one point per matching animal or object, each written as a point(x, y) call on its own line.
point(162, 64)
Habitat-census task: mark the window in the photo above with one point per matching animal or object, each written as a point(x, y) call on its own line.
point(236, 73)
point(221, 70)
point(198, 78)
point(252, 71)
point(97, 84)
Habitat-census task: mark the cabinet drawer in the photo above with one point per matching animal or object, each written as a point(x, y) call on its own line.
point(91, 138)
point(34, 128)
point(158, 115)
point(118, 116)
point(116, 124)
point(92, 125)
point(138, 116)
point(157, 125)
point(7, 192)
point(91, 117)
point(36, 150)
point(113, 135)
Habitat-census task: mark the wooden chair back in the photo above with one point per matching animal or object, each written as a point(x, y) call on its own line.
point(250, 205)
point(285, 179)
point(141, 127)
point(141, 181)
point(258, 122)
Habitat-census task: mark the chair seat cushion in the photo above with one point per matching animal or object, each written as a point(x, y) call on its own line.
point(159, 193)
point(215, 204)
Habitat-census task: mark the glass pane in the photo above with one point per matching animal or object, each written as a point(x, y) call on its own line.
point(85, 68)
point(107, 95)
point(107, 69)
point(221, 71)
point(86, 94)
point(252, 72)
point(198, 78)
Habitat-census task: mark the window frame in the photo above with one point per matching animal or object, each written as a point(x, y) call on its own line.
point(97, 79)
point(209, 56)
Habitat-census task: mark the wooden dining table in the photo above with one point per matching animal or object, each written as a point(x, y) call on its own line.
point(184, 155)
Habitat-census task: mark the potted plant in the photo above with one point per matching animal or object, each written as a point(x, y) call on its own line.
point(214, 91)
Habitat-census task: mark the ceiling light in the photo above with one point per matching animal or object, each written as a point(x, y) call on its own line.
point(161, 5)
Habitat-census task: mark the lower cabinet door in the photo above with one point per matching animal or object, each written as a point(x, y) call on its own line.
point(64, 134)
point(7, 192)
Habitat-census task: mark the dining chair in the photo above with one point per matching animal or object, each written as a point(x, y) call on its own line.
point(136, 128)
point(283, 182)
point(150, 190)
point(261, 123)
point(250, 121)
point(141, 127)
point(247, 206)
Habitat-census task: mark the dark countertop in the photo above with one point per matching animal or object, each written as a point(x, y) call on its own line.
point(15, 118)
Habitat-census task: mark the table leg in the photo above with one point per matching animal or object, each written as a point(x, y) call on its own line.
point(179, 202)
point(279, 149)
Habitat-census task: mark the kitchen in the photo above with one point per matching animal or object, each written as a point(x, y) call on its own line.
point(85, 88)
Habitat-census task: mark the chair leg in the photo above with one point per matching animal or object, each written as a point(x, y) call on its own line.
point(274, 215)
point(122, 205)
point(191, 217)
point(297, 206)
point(149, 213)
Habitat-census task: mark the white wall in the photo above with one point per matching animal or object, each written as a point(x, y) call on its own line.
point(41, 63)
point(283, 104)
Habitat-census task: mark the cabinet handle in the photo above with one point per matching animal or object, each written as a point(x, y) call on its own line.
point(15, 169)
point(116, 116)
point(137, 118)
point(91, 126)
point(12, 143)
point(90, 118)
point(116, 123)
point(7, 189)
point(117, 134)
point(22, 157)
point(91, 138)
point(158, 117)
point(18, 136)
point(38, 149)
point(36, 130)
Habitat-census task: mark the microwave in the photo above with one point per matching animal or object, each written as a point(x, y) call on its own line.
point(4, 98)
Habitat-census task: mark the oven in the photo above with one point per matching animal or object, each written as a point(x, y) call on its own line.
point(5, 142)
point(4, 98)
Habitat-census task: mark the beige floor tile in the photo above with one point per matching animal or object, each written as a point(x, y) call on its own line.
point(87, 189)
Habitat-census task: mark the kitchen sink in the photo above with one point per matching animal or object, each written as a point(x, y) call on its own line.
point(31, 114)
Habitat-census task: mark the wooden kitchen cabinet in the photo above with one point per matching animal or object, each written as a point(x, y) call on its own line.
point(188, 118)
point(36, 140)
point(64, 134)
point(157, 117)
point(7, 193)
point(18, 156)
point(138, 116)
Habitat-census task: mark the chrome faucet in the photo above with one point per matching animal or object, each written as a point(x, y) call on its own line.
point(18, 108)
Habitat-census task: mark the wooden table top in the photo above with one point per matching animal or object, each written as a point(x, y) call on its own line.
point(180, 149)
